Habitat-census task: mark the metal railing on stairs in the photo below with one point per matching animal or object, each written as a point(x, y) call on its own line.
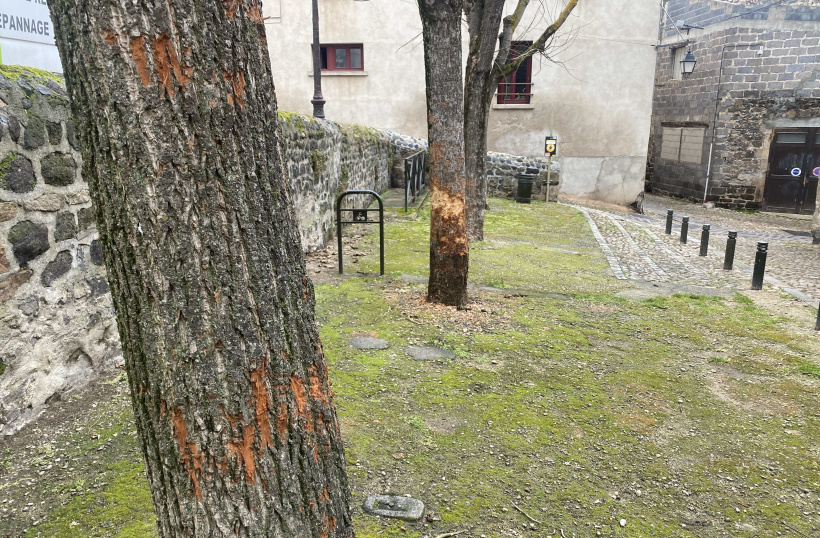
point(414, 182)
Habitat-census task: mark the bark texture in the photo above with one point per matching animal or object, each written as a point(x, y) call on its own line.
point(486, 66)
point(483, 20)
point(815, 221)
point(449, 250)
point(177, 116)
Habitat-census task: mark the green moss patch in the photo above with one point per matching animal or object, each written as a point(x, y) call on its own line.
point(684, 415)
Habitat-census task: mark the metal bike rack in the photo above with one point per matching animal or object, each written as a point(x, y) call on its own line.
point(360, 216)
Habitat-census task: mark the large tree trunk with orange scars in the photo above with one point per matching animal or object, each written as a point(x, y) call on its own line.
point(176, 112)
point(441, 28)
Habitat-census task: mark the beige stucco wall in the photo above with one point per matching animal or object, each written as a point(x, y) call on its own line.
point(597, 97)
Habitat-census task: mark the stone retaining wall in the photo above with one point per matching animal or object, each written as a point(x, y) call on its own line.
point(501, 168)
point(57, 326)
point(325, 159)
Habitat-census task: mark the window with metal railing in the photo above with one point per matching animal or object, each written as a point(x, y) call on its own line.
point(516, 88)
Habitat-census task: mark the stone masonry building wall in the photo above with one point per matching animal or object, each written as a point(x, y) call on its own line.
point(754, 73)
point(56, 319)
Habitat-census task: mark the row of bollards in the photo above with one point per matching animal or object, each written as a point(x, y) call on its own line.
point(731, 242)
point(729, 258)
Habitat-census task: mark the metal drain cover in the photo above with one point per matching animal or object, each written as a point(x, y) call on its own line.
point(406, 508)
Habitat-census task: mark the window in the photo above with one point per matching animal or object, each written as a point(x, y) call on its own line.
point(683, 144)
point(677, 56)
point(516, 88)
point(342, 57)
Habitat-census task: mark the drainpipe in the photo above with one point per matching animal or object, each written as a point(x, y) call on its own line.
point(717, 106)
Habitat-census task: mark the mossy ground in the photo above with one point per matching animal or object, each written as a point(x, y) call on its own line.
point(683, 415)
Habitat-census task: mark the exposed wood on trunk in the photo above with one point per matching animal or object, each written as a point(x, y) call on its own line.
point(449, 250)
point(229, 385)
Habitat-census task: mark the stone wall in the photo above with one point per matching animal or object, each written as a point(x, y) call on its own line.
point(501, 168)
point(325, 159)
point(56, 319)
point(736, 96)
point(57, 327)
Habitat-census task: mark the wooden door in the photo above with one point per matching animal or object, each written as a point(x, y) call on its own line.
point(791, 184)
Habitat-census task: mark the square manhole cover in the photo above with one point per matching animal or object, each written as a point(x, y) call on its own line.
point(395, 506)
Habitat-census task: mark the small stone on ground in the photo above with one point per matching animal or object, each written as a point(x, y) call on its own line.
point(426, 353)
point(368, 342)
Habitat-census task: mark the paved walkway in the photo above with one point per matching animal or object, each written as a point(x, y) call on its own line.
point(638, 248)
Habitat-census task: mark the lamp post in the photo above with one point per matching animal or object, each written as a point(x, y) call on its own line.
point(318, 100)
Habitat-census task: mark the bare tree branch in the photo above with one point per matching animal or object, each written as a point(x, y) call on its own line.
point(504, 68)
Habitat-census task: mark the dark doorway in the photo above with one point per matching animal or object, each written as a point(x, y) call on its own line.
point(791, 183)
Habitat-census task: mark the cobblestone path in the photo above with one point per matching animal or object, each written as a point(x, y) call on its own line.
point(638, 248)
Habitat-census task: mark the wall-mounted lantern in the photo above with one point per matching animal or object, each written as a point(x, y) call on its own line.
point(687, 65)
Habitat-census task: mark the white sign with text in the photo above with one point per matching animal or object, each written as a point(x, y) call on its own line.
point(26, 20)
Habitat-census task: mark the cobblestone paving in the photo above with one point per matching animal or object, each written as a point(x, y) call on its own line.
point(638, 248)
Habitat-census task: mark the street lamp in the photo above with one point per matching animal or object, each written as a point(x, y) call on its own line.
point(318, 100)
point(687, 65)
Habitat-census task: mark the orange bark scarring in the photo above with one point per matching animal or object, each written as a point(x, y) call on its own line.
point(261, 402)
point(297, 386)
point(237, 81)
point(137, 45)
point(329, 526)
point(110, 37)
point(230, 7)
point(189, 453)
point(255, 14)
point(166, 62)
point(243, 450)
point(282, 421)
point(317, 390)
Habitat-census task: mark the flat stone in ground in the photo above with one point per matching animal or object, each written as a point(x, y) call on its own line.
point(394, 506)
point(368, 342)
point(428, 353)
point(413, 279)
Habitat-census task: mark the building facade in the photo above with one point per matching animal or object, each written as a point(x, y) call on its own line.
point(743, 130)
point(595, 95)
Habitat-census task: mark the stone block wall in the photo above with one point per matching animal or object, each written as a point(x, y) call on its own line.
point(56, 319)
point(324, 159)
point(57, 325)
point(501, 168)
point(735, 97)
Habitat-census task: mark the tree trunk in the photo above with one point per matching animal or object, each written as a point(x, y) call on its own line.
point(483, 20)
point(449, 251)
point(176, 112)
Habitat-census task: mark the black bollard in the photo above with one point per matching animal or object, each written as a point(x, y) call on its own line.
point(760, 265)
point(684, 230)
point(704, 240)
point(817, 323)
point(729, 259)
point(669, 213)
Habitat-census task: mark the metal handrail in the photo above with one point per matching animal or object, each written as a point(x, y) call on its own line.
point(414, 181)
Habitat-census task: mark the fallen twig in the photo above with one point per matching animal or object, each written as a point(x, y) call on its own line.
point(526, 515)
point(449, 534)
point(562, 534)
